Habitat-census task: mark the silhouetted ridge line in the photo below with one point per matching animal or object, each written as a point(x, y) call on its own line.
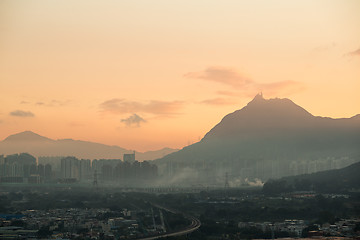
point(27, 136)
point(268, 138)
point(37, 145)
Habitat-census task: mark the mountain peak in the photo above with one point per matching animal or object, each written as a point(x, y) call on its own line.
point(263, 134)
point(27, 136)
point(259, 97)
point(282, 107)
point(261, 116)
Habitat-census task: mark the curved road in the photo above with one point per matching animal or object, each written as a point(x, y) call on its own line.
point(195, 224)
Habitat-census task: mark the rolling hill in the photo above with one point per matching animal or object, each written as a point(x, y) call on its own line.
point(37, 145)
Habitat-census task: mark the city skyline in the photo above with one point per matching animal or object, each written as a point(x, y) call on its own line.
point(148, 75)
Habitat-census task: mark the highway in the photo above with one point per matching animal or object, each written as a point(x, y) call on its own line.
point(195, 224)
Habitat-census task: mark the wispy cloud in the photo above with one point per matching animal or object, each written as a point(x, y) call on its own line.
point(122, 106)
point(222, 75)
point(244, 86)
point(54, 103)
point(51, 103)
point(354, 53)
point(133, 121)
point(20, 113)
point(326, 47)
point(218, 101)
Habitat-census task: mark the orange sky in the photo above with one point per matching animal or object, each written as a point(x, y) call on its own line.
point(150, 74)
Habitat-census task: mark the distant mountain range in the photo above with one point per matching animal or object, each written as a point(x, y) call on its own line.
point(330, 181)
point(37, 145)
point(262, 138)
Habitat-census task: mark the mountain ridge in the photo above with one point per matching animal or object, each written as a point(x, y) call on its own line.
point(37, 145)
point(27, 136)
point(271, 114)
point(267, 132)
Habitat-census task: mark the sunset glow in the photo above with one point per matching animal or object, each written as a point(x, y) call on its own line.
point(145, 75)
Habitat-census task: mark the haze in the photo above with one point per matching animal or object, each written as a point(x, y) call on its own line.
point(148, 74)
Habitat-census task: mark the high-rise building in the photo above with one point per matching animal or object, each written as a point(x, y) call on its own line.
point(48, 172)
point(129, 157)
point(54, 161)
point(2, 166)
point(107, 172)
point(16, 165)
point(70, 168)
point(41, 170)
point(85, 169)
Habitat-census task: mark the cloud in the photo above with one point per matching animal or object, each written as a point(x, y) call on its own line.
point(54, 103)
point(51, 103)
point(218, 101)
point(133, 120)
point(281, 87)
point(354, 53)
point(20, 113)
point(222, 75)
point(58, 103)
point(122, 106)
point(244, 86)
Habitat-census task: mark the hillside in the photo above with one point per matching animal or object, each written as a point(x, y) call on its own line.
point(331, 181)
point(264, 138)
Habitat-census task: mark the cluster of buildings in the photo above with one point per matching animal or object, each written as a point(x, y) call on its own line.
point(24, 168)
point(322, 164)
point(20, 168)
point(78, 223)
point(84, 169)
point(293, 227)
point(127, 171)
point(212, 173)
point(69, 223)
point(344, 228)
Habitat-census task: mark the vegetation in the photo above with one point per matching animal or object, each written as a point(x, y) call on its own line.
point(333, 181)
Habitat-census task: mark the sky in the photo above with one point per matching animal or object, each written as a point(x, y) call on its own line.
point(145, 75)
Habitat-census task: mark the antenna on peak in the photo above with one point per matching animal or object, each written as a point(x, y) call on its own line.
point(259, 96)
